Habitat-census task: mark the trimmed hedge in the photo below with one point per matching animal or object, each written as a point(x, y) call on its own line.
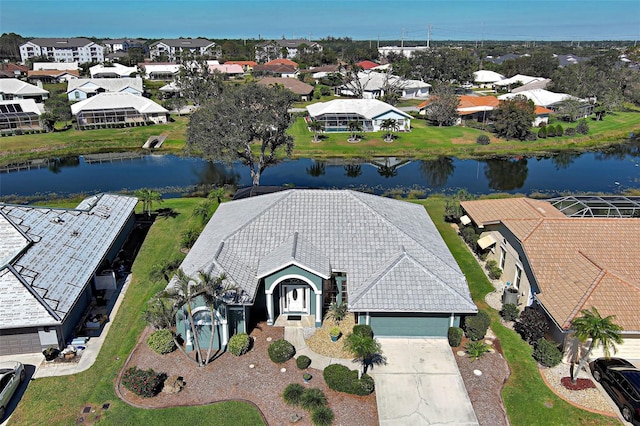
point(281, 351)
point(547, 353)
point(303, 362)
point(476, 326)
point(161, 342)
point(363, 330)
point(145, 383)
point(454, 334)
point(239, 344)
point(340, 378)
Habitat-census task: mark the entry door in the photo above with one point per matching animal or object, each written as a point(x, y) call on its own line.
point(295, 298)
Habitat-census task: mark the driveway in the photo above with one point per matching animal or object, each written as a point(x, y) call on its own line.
point(421, 385)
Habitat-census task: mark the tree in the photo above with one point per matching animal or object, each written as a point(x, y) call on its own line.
point(216, 194)
point(443, 107)
point(10, 46)
point(197, 84)
point(316, 127)
point(389, 125)
point(354, 127)
point(513, 118)
point(444, 66)
point(226, 128)
point(202, 211)
point(148, 197)
point(214, 288)
point(601, 331)
point(366, 350)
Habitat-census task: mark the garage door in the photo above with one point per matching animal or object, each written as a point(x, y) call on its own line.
point(409, 325)
point(19, 341)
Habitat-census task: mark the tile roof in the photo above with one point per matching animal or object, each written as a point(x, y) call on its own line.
point(367, 108)
point(52, 73)
point(386, 247)
point(283, 61)
point(90, 85)
point(118, 100)
point(367, 65)
point(19, 87)
point(296, 86)
point(577, 262)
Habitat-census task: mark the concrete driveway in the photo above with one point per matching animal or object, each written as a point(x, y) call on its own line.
point(421, 385)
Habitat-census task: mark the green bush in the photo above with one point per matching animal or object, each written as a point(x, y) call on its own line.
point(483, 140)
point(454, 334)
point(161, 342)
point(363, 330)
point(470, 236)
point(337, 311)
point(292, 394)
point(542, 133)
point(559, 130)
point(476, 350)
point(281, 351)
point(547, 353)
point(551, 131)
point(322, 416)
point(582, 127)
point(509, 312)
point(571, 131)
point(532, 325)
point(239, 344)
point(312, 398)
point(494, 270)
point(340, 378)
point(145, 383)
point(303, 362)
point(476, 326)
point(188, 238)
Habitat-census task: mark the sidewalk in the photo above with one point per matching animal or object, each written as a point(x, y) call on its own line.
point(295, 336)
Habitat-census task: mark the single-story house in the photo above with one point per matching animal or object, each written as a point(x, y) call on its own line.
point(113, 71)
point(484, 78)
point(60, 66)
point(229, 70)
point(373, 84)
point(247, 66)
point(371, 113)
point(83, 88)
point(19, 114)
point(283, 61)
point(159, 70)
point(121, 108)
point(12, 88)
point(280, 70)
point(518, 79)
point(290, 254)
point(51, 261)
point(367, 65)
point(550, 100)
point(52, 76)
point(562, 264)
point(11, 70)
point(302, 90)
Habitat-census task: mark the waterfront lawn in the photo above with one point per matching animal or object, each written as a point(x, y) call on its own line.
point(526, 397)
point(59, 400)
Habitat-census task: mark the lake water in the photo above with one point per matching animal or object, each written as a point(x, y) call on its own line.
point(610, 171)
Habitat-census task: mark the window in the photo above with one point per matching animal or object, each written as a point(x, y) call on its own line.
point(503, 257)
point(518, 277)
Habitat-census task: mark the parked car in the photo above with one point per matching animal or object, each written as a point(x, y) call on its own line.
point(621, 380)
point(11, 375)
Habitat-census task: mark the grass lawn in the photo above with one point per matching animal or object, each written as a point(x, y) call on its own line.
point(527, 399)
point(58, 400)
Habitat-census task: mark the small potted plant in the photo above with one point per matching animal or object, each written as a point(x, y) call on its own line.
point(334, 333)
point(306, 377)
point(50, 353)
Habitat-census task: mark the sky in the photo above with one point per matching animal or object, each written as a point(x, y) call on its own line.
point(544, 20)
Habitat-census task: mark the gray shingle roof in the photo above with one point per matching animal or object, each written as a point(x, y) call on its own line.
point(61, 43)
point(393, 255)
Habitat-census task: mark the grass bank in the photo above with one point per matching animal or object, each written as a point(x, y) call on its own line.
point(59, 400)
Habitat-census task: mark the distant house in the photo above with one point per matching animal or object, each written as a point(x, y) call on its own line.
point(60, 66)
point(121, 109)
point(174, 48)
point(561, 263)
point(566, 60)
point(336, 114)
point(80, 50)
point(12, 88)
point(51, 267)
point(83, 88)
point(124, 44)
point(484, 78)
point(228, 70)
point(159, 71)
point(278, 70)
point(516, 80)
point(406, 51)
point(10, 70)
point(501, 59)
point(550, 100)
point(112, 71)
point(288, 49)
point(19, 115)
point(302, 90)
point(247, 66)
point(367, 65)
point(52, 76)
point(372, 85)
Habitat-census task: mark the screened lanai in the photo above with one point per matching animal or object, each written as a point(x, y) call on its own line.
point(615, 206)
point(112, 115)
point(13, 117)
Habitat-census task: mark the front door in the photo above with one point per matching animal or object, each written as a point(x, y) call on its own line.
point(295, 299)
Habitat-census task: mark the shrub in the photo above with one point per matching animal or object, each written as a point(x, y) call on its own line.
point(363, 330)
point(322, 416)
point(509, 312)
point(531, 325)
point(476, 350)
point(340, 378)
point(239, 344)
point(281, 351)
point(483, 140)
point(547, 353)
point(494, 270)
point(337, 311)
point(161, 342)
point(582, 127)
point(476, 326)
point(303, 362)
point(313, 398)
point(469, 235)
point(571, 131)
point(551, 131)
point(542, 133)
point(292, 394)
point(559, 130)
point(145, 383)
point(454, 334)
point(188, 238)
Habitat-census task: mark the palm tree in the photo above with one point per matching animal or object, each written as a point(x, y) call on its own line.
point(148, 197)
point(316, 127)
point(202, 210)
point(354, 127)
point(213, 290)
point(184, 292)
point(389, 125)
point(217, 194)
point(602, 332)
point(365, 349)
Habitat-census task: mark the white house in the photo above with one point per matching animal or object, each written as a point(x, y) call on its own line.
point(373, 85)
point(12, 88)
point(114, 71)
point(120, 109)
point(80, 50)
point(287, 49)
point(19, 114)
point(159, 71)
point(83, 88)
point(520, 79)
point(371, 113)
point(174, 47)
point(229, 70)
point(407, 52)
point(486, 77)
point(59, 66)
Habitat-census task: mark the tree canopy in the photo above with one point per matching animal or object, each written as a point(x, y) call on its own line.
point(227, 127)
point(513, 118)
point(443, 108)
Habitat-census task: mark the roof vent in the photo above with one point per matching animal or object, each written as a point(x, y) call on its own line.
point(75, 233)
point(57, 219)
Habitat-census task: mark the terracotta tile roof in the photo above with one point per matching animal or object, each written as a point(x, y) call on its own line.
point(283, 61)
point(52, 73)
point(367, 65)
point(542, 110)
point(577, 262)
point(470, 102)
point(243, 63)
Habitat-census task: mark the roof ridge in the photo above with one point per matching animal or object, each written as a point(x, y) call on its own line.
point(583, 300)
point(394, 261)
point(533, 229)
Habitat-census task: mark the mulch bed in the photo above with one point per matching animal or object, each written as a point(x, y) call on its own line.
point(230, 378)
point(581, 384)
